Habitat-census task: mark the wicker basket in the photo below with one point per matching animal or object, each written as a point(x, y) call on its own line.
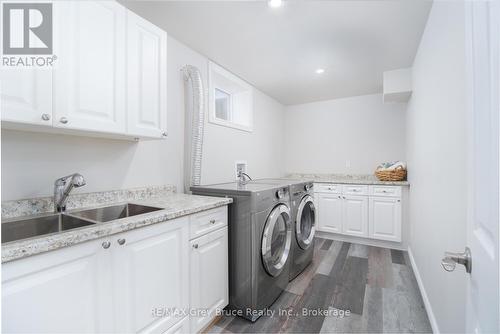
point(398, 174)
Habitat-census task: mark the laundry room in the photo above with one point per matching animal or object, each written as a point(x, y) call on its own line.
point(260, 166)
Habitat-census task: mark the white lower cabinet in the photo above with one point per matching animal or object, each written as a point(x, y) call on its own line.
point(355, 216)
point(329, 212)
point(209, 277)
point(133, 282)
point(64, 291)
point(385, 218)
point(151, 276)
point(373, 212)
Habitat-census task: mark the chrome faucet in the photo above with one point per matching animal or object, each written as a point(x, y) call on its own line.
point(62, 188)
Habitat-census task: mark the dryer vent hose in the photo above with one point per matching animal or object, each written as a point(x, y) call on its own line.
point(195, 116)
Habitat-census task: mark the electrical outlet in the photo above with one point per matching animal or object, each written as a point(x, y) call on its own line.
point(239, 166)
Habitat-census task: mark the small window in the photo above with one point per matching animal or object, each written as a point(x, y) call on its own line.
point(231, 99)
point(222, 105)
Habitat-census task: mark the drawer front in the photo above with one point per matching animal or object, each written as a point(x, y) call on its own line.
point(327, 188)
point(354, 189)
point(207, 221)
point(386, 191)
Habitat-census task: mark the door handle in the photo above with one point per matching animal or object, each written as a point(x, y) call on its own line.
point(450, 260)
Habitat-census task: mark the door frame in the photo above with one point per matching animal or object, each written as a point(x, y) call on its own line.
point(470, 131)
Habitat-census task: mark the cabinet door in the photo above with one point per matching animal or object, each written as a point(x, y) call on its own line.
point(89, 80)
point(209, 276)
point(329, 212)
point(355, 215)
point(150, 270)
point(385, 218)
point(64, 291)
point(26, 96)
point(147, 78)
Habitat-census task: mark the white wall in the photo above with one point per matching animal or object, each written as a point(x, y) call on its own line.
point(262, 148)
point(32, 161)
point(322, 136)
point(437, 161)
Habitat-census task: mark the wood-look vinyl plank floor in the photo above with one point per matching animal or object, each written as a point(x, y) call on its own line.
point(348, 288)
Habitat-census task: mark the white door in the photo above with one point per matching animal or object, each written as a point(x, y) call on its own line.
point(66, 291)
point(147, 78)
point(329, 212)
point(26, 96)
point(385, 218)
point(355, 215)
point(89, 80)
point(150, 272)
point(483, 34)
point(209, 276)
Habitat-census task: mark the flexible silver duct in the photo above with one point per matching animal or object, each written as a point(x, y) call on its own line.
point(195, 116)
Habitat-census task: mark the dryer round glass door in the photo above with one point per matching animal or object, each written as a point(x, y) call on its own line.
point(305, 222)
point(276, 240)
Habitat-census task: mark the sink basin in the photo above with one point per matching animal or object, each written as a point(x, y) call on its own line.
point(114, 212)
point(36, 226)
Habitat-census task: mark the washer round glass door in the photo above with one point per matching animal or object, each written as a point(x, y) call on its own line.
point(276, 240)
point(305, 222)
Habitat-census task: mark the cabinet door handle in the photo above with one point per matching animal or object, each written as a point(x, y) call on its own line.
point(46, 117)
point(106, 244)
point(195, 246)
point(121, 241)
point(212, 221)
point(340, 197)
point(63, 120)
point(164, 134)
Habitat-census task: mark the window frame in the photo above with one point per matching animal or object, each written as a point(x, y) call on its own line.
point(215, 71)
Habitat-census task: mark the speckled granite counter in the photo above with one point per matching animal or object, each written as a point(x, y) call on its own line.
point(173, 206)
point(346, 179)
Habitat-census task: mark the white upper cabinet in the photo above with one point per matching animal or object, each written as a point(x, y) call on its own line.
point(147, 78)
point(26, 96)
point(90, 78)
point(109, 78)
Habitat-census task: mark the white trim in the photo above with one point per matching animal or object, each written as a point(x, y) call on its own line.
point(215, 68)
point(423, 293)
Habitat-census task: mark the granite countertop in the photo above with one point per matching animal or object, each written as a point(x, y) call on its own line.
point(347, 179)
point(173, 205)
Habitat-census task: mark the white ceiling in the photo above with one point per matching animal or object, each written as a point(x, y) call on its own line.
point(278, 49)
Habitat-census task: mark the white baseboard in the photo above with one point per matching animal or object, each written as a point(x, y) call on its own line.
point(362, 241)
point(427, 304)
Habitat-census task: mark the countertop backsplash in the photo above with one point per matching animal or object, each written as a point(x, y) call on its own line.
point(32, 206)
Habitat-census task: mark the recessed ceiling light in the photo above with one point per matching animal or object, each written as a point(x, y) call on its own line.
point(320, 70)
point(274, 3)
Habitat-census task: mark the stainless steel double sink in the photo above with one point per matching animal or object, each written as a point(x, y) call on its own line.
point(35, 226)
